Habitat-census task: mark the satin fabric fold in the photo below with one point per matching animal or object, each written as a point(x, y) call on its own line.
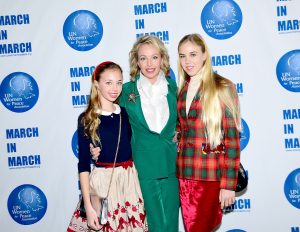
point(200, 205)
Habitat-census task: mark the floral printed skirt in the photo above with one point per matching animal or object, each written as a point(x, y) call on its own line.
point(126, 210)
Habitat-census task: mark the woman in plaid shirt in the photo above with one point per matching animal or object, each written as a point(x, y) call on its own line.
point(209, 145)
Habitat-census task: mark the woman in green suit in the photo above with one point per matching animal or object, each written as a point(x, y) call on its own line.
point(150, 101)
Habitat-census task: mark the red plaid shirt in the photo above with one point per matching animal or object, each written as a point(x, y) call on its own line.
point(195, 159)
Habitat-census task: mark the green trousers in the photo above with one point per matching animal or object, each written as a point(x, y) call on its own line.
point(161, 199)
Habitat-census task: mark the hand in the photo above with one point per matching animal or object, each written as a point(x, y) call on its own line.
point(175, 138)
point(226, 198)
point(92, 219)
point(95, 151)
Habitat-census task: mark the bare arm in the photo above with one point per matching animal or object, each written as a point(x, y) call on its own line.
point(91, 214)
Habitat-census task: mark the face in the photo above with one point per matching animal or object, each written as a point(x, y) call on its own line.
point(191, 58)
point(149, 61)
point(109, 86)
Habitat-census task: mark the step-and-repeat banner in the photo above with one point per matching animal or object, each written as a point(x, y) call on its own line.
point(48, 51)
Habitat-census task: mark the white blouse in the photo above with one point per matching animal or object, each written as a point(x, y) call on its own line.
point(154, 101)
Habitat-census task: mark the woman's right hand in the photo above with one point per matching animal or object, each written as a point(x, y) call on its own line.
point(95, 151)
point(92, 219)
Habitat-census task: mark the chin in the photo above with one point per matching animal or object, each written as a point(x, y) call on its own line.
point(191, 73)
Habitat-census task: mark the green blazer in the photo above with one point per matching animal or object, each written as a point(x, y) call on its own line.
point(154, 154)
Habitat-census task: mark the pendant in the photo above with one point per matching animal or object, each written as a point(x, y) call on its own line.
point(132, 96)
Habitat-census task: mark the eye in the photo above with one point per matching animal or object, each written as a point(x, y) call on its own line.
point(193, 54)
point(119, 83)
point(108, 83)
point(155, 57)
point(181, 56)
point(142, 58)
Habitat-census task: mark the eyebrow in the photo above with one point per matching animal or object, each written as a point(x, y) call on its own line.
point(188, 53)
point(150, 55)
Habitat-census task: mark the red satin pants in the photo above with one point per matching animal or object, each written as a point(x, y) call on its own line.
point(200, 205)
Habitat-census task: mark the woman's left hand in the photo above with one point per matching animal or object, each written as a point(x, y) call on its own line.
point(226, 198)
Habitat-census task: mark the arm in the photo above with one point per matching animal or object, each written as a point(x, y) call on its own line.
point(231, 160)
point(84, 171)
point(173, 89)
point(92, 218)
point(232, 153)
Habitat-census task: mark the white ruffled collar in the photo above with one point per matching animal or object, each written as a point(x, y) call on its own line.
point(108, 113)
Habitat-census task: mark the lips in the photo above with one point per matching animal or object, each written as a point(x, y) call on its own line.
point(113, 95)
point(150, 70)
point(189, 68)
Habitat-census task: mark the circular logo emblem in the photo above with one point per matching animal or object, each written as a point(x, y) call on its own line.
point(19, 92)
point(83, 30)
point(75, 143)
point(236, 230)
point(221, 19)
point(27, 204)
point(288, 71)
point(292, 188)
point(245, 135)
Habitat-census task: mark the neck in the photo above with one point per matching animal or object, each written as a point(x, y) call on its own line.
point(198, 75)
point(109, 107)
point(152, 81)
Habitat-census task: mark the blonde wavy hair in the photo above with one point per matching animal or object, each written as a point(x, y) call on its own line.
point(157, 43)
point(217, 94)
point(91, 119)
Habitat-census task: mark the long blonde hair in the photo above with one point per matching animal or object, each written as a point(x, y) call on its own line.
point(157, 43)
point(217, 94)
point(91, 119)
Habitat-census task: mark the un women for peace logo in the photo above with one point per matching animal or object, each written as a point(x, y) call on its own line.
point(244, 135)
point(19, 92)
point(27, 204)
point(292, 188)
point(288, 71)
point(236, 230)
point(74, 143)
point(83, 30)
point(221, 19)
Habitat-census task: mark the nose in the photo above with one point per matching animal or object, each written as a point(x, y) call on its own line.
point(186, 60)
point(149, 62)
point(115, 87)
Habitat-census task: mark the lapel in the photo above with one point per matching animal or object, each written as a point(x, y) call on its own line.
point(194, 109)
point(171, 98)
point(136, 106)
point(182, 100)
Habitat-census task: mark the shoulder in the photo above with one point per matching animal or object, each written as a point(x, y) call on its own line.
point(80, 118)
point(224, 84)
point(128, 86)
point(172, 83)
point(222, 81)
point(123, 111)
